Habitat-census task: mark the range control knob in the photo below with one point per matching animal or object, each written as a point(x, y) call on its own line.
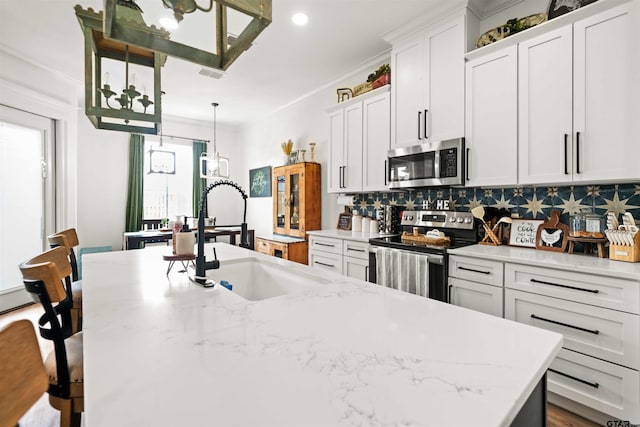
point(410, 217)
point(468, 220)
point(452, 219)
point(460, 220)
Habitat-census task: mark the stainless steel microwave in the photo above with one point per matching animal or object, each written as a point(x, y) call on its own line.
point(429, 164)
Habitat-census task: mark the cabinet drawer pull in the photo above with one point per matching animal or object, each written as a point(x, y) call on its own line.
point(326, 265)
point(593, 291)
point(385, 173)
point(466, 162)
point(324, 244)
point(594, 385)
point(473, 270)
point(555, 322)
point(419, 120)
point(426, 134)
point(354, 249)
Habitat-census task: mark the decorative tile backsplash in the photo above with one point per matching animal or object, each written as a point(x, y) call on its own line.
point(528, 202)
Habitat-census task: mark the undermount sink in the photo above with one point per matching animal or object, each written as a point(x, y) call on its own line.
point(254, 279)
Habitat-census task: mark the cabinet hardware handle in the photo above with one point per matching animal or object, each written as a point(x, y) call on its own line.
point(326, 265)
point(354, 250)
point(575, 288)
point(555, 322)
point(366, 273)
point(475, 271)
point(344, 180)
point(467, 162)
point(385, 173)
point(426, 134)
point(419, 120)
point(594, 385)
point(566, 167)
point(449, 296)
point(325, 244)
point(578, 152)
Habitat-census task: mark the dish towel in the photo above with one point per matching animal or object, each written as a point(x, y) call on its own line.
point(403, 270)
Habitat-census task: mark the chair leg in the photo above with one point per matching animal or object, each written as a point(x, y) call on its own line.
point(67, 408)
point(76, 319)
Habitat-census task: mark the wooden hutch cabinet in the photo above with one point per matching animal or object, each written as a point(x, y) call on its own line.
point(296, 210)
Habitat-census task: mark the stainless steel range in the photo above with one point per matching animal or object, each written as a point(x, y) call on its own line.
point(419, 267)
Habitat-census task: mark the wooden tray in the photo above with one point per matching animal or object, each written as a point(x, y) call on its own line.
point(421, 238)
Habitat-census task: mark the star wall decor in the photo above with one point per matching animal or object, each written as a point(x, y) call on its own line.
point(535, 206)
point(571, 206)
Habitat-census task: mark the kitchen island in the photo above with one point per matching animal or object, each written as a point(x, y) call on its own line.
point(162, 351)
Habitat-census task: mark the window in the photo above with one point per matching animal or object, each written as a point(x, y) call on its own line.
point(168, 195)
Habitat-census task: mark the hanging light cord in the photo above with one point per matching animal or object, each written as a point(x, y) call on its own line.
point(215, 146)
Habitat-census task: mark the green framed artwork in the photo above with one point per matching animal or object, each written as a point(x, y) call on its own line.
point(260, 182)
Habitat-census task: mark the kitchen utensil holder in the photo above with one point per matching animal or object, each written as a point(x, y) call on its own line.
point(492, 237)
point(628, 253)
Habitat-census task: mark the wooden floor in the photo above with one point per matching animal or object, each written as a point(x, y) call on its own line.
point(43, 415)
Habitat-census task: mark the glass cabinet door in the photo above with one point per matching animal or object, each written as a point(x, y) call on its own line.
point(281, 195)
point(294, 201)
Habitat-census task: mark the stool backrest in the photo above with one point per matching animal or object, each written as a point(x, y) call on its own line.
point(23, 379)
point(68, 239)
point(43, 279)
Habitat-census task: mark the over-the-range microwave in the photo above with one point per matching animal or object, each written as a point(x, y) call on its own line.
point(425, 165)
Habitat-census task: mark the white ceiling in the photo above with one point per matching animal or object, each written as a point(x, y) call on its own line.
point(285, 62)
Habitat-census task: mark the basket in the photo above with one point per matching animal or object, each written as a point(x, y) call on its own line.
point(421, 238)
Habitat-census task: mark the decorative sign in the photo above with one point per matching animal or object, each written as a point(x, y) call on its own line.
point(344, 221)
point(523, 232)
point(560, 7)
point(260, 180)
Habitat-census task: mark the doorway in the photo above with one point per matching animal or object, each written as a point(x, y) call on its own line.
point(27, 196)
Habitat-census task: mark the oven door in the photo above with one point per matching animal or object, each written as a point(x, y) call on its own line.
point(409, 271)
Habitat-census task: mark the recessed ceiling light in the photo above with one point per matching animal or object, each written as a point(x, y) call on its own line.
point(300, 19)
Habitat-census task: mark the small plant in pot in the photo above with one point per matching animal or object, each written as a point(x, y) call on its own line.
point(381, 77)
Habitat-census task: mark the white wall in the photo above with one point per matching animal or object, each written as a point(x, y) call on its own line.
point(302, 121)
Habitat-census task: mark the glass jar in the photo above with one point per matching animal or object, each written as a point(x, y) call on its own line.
point(594, 225)
point(578, 224)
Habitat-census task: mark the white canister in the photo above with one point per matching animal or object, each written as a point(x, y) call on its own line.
point(366, 224)
point(373, 227)
point(356, 223)
point(185, 242)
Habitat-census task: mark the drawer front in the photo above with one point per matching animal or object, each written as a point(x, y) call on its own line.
point(600, 385)
point(263, 246)
point(355, 267)
point(476, 296)
point(602, 291)
point(325, 244)
point(476, 270)
point(606, 334)
point(355, 249)
point(325, 261)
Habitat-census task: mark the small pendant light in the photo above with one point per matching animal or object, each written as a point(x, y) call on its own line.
point(214, 166)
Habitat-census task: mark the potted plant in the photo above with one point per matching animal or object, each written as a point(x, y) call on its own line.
point(381, 77)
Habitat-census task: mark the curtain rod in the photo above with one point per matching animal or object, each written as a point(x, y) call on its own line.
point(180, 137)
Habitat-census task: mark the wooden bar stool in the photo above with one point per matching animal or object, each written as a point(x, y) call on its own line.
point(43, 277)
point(22, 376)
point(69, 240)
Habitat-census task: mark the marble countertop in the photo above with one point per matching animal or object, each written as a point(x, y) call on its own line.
point(346, 235)
point(162, 351)
point(574, 262)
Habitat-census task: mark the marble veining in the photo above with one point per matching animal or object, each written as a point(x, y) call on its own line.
point(344, 353)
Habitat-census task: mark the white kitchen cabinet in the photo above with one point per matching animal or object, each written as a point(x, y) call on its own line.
point(606, 92)
point(344, 256)
point(476, 296)
point(491, 136)
point(358, 143)
point(476, 284)
point(578, 91)
point(376, 142)
point(598, 316)
point(427, 79)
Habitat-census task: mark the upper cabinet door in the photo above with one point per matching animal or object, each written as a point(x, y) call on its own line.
point(407, 85)
point(491, 119)
point(352, 172)
point(545, 98)
point(444, 104)
point(607, 93)
point(376, 143)
point(336, 151)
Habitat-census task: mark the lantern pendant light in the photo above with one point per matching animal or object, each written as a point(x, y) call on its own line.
point(214, 166)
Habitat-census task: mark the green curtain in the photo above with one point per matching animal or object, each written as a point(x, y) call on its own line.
point(199, 184)
point(135, 203)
